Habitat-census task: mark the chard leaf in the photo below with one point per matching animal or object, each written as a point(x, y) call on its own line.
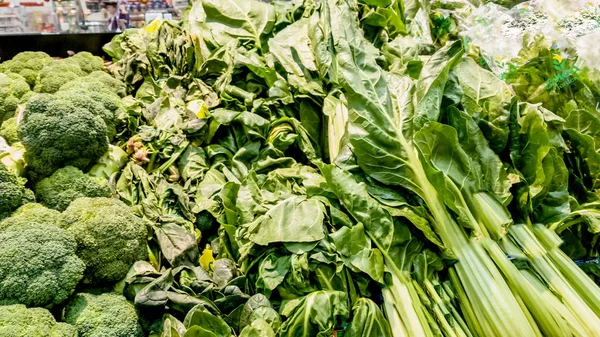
point(291, 48)
point(367, 320)
point(380, 155)
point(258, 328)
point(200, 321)
point(426, 264)
point(486, 98)
point(237, 19)
point(392, 237)
point(432, 81)
point(400, 52)
point(172, 327)
point(177, 244)
point(543, 169)
point(314, 315)
point(295, 219)
point(355, 248)
point(490, 169)
point(583, 129)
point(272, 271)
point(193, 164)
point(258, 307)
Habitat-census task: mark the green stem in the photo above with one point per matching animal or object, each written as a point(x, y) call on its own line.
point(182, 147)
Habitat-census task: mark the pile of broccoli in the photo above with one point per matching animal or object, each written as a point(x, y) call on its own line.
point(62, 234)
point(68, 124)
point(97, 99)
point(45, 255)
point(97, 80)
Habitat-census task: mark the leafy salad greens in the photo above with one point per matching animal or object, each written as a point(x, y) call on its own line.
point(308, 168)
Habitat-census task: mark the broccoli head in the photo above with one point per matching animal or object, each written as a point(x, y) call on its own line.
point(96, 80)
point(8, 130)
point(110, 237)
point(27, 64)
point(13, 192)
point(57, 73)
point(38, 264)
point(18, 321)
point(56, 132)
point(12, 88)
point(88, 62)
point(106, 315)
point(32, 212)
point(68, 184)
point(100, 102)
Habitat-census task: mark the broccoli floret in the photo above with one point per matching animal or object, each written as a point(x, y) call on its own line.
point(101, 102)
point(106, 315)
point(96, 80)
point(8, 130)
point(57, 133)
point(110, 237)
point(68, 184)
point(38, 264)
point(88, 62)
point(12, 192)
point(27, 96)
point(32, 212)
point(27, 64)
point(57, 73)
point(12, 88)
point(18, 321)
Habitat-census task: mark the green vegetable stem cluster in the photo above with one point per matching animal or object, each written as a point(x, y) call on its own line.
point(302, 168)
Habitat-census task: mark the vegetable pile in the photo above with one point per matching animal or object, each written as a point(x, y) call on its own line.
point(306, 169)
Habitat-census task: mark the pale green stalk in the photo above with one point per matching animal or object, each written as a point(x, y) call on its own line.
point(540, 259)
point(493, 303)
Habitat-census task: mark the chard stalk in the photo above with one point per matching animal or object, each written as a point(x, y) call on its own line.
point(550, 271)
point(494, 305)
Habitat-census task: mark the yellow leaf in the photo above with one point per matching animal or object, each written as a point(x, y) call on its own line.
point(198, 107)
point(207, 260)
point(153, 26)
point(558, 58)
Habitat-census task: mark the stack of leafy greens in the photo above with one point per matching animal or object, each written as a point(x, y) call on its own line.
point(314, 166)
point(448, 191)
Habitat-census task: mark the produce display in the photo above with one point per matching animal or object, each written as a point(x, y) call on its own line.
point(309, 168)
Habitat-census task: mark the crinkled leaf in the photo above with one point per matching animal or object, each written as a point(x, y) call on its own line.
point(295, 219)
